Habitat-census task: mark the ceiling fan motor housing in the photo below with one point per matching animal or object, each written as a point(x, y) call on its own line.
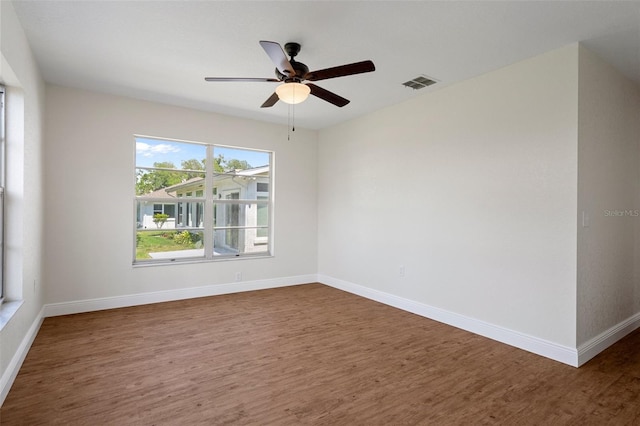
point(300, 69)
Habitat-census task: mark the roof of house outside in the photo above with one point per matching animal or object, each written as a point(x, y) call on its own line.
point(196, 182)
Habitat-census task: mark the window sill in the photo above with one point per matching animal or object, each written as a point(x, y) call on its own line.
point(7, 311)
point(192, 260)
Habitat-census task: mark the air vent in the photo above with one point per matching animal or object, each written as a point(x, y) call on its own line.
point(419, 82)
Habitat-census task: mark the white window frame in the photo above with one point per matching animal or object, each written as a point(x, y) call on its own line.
point(209, 200)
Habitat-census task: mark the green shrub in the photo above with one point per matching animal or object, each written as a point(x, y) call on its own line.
point(187, 237)
point(159, 219)
point(183, 237)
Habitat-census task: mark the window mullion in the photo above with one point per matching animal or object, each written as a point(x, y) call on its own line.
point(208, 205)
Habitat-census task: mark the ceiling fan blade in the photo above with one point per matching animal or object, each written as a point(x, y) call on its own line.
point(341, 71)
point(271, 101)
point(277, 55)
point(327, 95)
point(241, 79)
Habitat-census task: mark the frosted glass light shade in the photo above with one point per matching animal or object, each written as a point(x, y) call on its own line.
point(293, 93)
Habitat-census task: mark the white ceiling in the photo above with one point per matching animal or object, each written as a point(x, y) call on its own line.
point(162, 50)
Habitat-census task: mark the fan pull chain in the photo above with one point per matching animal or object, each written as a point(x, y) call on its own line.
point(291, 118)
point(289, 123)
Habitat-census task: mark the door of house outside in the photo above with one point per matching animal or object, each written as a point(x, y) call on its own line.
point(232, 215)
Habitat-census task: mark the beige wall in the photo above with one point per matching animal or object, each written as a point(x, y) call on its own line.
point(608, 193)
point(472, 188)
point(90, 177)
point(24, 199)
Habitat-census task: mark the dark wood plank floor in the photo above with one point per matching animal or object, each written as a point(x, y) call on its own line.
point(304, 355)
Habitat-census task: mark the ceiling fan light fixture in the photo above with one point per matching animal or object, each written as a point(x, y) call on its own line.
point(293, 93)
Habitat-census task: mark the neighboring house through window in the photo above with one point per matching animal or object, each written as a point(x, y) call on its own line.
point(200, 201)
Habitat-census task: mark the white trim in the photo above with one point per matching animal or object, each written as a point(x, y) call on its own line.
point(564, 354)
point(89, 305)
point(593, 347)
point(532, 344)
point(11, 372)
point(8, 310)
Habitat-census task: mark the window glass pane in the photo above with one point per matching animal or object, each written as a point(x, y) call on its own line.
point(167, 184)
point(165, 235)
point(1, 243)
point(190, 215)
point(172, 215)
point(2, 176)
point(244, 183)
point(262, 219)
point(242, 170)
point(170, 154)
point(168, 244)
point(233, 159)
point(229, 215)
point(238, 241)
point(241, 228)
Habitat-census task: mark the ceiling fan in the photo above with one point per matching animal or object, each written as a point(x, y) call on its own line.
point(292, 74)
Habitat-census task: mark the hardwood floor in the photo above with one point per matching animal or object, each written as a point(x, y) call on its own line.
point(303, 355)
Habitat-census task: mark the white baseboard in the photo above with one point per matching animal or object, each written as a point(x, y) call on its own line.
point(90, 305)
point(11, 372)
point(564, 354)
point(602, 341)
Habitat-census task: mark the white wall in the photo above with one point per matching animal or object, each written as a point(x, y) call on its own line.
point(608, 193)
point(24, 202)
point(473, 189)
point(90, 180)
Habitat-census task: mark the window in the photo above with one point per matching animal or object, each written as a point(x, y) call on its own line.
point(2, 151)
point(198, 201)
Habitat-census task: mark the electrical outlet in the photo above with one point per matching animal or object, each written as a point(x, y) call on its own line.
point(401, 270)
point(238, 276)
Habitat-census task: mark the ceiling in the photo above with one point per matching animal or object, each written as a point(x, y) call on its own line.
point(162, 50)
